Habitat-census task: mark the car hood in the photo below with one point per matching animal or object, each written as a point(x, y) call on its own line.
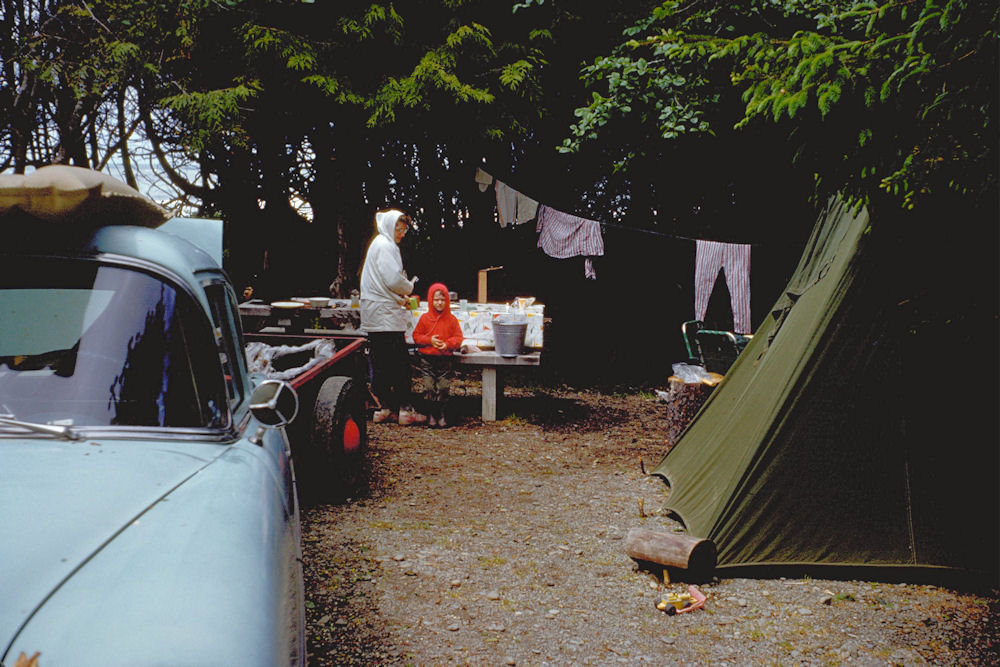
point(63, 501)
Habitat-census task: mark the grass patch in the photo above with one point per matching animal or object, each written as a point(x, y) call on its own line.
point(880, 603)
point(491, 561)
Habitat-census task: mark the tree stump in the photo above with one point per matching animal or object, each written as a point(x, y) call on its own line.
point(683, 399)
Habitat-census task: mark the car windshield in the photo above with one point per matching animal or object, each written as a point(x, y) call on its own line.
point(89, 344)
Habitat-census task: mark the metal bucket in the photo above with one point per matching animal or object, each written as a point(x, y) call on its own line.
point(508, 337)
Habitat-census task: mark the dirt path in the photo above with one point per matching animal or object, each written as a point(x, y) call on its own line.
point(502, 543)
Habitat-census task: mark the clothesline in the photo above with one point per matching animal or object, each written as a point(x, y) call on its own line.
point(647, 231)
point(613, 225)
point(563, 235)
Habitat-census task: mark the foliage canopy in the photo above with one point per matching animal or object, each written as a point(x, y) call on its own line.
point(895, 97)
point(294, 119)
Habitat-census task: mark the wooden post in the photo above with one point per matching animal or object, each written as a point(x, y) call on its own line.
point(481, 293)
point(671, 549)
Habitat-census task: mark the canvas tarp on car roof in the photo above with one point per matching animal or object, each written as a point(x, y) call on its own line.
point(832, 440)
point(77, 196)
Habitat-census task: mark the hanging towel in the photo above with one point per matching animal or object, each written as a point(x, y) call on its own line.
point(506, 203)
point(527, 208)
point(483, 179)
point(514, 207)
point(734, 259)
point(562, 235)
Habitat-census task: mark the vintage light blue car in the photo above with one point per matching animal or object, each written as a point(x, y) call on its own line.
point(146, 518)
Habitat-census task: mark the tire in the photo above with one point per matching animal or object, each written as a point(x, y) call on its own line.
point(339, 439)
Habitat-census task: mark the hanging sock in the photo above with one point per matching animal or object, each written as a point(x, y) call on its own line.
point(734, 259)
point(588, 269)
point(483, 179)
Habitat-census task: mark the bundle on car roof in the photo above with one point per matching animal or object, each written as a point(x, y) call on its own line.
point(77, 196)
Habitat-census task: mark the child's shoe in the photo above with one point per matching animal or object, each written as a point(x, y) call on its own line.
point(407, 417)
point(382, 415)
point(431, 421)
point(441, 422)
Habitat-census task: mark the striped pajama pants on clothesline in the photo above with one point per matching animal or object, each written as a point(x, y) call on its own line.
point(734, 259)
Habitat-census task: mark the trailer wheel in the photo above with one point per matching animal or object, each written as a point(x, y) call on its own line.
point(339, 437)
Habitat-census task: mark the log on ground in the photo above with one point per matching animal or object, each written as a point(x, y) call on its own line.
point(671, 549)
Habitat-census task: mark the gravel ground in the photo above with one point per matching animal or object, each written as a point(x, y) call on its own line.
point(503, 544)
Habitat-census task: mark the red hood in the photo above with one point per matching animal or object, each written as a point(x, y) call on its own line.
point(430, 296)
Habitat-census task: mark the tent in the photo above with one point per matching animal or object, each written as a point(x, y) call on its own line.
point(859, 426)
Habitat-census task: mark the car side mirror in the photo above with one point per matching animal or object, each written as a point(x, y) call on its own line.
point(274, 404)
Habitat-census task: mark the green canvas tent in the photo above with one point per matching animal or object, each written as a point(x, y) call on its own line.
point(859, 426)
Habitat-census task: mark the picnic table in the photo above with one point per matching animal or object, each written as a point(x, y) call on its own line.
point(298, 317)
point(339, 318)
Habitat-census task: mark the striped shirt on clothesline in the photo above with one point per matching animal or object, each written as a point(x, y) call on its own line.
point(562, 235)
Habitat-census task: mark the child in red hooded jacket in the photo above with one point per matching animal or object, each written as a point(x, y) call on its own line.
point(438, 334)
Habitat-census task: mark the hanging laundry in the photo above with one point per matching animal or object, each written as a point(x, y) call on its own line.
point(483, 179)
point(514, 207)
point(734, 259)
point(527, 209)
point(506, 203)
point(562, 235)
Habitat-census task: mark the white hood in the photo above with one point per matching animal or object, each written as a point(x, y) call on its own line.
point(384, 285)
point(385, 223)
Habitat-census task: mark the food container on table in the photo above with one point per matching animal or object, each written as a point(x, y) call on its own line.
point(287, 305)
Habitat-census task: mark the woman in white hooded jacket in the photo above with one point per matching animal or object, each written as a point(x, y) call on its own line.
point(385, 290)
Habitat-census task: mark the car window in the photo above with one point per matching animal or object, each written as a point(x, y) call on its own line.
point(85, 343)
point(225, 314)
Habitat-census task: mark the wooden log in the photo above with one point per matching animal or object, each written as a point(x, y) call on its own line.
point(671, 549)
point(685, 399)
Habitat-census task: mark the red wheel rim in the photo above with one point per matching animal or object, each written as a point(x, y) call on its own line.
point(352, 436)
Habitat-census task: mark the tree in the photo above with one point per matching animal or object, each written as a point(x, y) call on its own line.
point(301, 124)
point(71, 76)
point(892, 104)
point(894, 98)
point(56, 74)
